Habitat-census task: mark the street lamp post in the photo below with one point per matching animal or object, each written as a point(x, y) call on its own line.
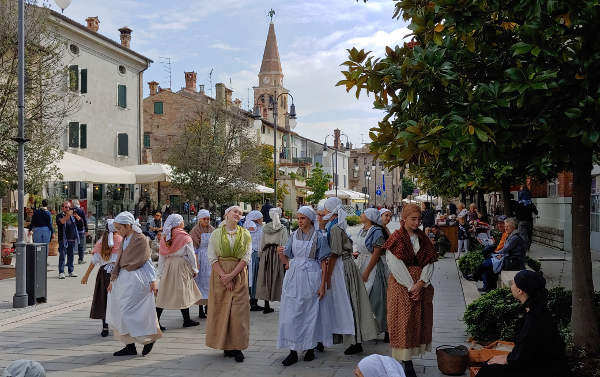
point(368, 185)
point(274, 102)
point(335, 178)
point(374, 168)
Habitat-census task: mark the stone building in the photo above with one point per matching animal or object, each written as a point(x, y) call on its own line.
point(370, 176)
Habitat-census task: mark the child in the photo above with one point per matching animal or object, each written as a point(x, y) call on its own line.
point(105, 255)
point(463, 236)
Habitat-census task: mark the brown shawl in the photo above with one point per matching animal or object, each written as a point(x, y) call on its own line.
point(197, 231)
point(399, 244)
point(134, 257)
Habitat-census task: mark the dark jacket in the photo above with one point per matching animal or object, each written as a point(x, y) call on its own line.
point(67, 230)
point(41, 218)
point(82, 225)
point(514, 252)
point(265, 212)
point(428, 217)
point(463, 231)
point(524, 212)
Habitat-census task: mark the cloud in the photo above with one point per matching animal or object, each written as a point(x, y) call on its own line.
point(224, 46)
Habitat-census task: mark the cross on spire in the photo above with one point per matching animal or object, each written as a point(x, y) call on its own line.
point(271, 14)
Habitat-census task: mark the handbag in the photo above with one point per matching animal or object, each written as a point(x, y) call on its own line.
point(452, 360)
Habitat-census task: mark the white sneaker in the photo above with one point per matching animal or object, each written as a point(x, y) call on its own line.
point(61, 275)
point(72, 275)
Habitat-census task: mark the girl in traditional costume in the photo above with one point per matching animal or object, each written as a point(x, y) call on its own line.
point(130, 311)
point(410, 257)
point(177, 268)
point(270, 270)
point(254, 224)
point(341, 247)
point(200, 236)
point(229, 252)
point(303, 287)
point(104, 255)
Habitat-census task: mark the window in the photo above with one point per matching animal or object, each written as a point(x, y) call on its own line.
point(122, 145)
point(83, 88)
point(355, 173)
point(345, 183)
point(77, 135)
point(355, 161)
point(146, 140)
point(74, 49)
point(122, 69)
point(122, 96)
point(262, 129)
point(552, 186)
point(74, 78)
point(365, 161)
point(158, 108)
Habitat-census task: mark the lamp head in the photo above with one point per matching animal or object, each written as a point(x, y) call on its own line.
point(292, 111)
point(325, 145)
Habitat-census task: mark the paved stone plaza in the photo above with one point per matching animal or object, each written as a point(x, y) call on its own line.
point(62, 337)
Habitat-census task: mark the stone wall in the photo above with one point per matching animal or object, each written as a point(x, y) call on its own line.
point(548, 236)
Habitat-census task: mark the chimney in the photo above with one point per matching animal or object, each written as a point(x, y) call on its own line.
point(125, 36)
point(201, 91)
point(153, 85)
point(336, 136)
point(190, 81)
point(220, 97)
point(93, 23)
point(228, 93)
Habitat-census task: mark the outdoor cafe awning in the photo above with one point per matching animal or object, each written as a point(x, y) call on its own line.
point(263, 189)
point(75, 168)
point(150, 173)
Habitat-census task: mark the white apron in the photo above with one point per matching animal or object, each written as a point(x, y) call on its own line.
point(130, 307)
point(364, 256)
point(203, 277)
point(336, 310)
point(299, 308)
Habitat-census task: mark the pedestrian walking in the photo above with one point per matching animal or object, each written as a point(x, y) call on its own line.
point(463, 235)
point(166, 208)
point(41, 224)
point(68, 237)
point(130, 311)
point(177, 268)
point(265, 211)
point(341, 247)
point(372, 266)
point(200, 236)
point(104, 255)
point(270, 269)
point(410, 257)
point(82, 230)
point(303, 288)
point(524, 211)
point(254, 225)
point(229, 253)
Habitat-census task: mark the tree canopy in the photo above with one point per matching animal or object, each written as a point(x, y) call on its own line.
point(318, 183)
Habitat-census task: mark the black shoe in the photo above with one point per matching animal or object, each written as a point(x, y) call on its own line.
point(147, 348)
point(256, 308)
point(409, 370)
point(104, 332)
point(129, 350)
point(320, 347)
point(353, 349)
point(292, 358)
point(201, 313)
point(162, 328)
point(190, 323)
point(228, 353)
point(386, 337)
point(238, 356)
point(268, 310)
point(309, 355)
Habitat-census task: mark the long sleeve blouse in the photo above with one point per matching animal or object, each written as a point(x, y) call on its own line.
point(187, 252)
point(400, 271)
point(214, 248)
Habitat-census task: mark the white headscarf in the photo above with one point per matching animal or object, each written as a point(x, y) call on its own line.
point(229, 209)
point(308, 212)
point(373, 215)
point(250, 217)
point(384, 210)
point(334, 207)
point(202, 214)
point(380, 366)
point(125, 218)
point(24, 368)
point(274, 214)
point(110, 225)
point(172, 221)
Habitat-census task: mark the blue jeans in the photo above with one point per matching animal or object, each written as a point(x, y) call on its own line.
point(488, 276)
point(42, 235)
point(81, 245)
point(68, 250)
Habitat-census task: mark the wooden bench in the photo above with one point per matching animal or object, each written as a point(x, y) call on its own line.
point(507, 276)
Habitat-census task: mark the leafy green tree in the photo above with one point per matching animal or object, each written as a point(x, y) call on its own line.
point(408, 187)
point(502, 90)
point(318, 183)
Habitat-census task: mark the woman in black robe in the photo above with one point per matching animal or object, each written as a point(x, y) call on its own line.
point(539, 350)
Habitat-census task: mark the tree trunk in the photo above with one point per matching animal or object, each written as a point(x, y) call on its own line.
point(583, 318)
point(463, 197)
point(471, 198)
point(481, 204)
point(506, 197)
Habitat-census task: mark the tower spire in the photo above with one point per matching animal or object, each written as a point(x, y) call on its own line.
point(271, 64)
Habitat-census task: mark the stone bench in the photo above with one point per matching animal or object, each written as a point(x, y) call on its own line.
point(507, 276)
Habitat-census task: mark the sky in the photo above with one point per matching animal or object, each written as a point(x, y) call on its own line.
point(228, 38)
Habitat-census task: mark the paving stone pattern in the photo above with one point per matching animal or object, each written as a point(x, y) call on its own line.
point(68, 343)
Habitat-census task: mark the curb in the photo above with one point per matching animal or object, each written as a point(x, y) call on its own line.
point(38, 315)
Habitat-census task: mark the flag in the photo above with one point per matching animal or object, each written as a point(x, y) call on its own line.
point(383, 176)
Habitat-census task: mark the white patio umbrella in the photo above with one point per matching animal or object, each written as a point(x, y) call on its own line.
point(342, 194)
point(263, 189)
point(151, 173)
point(75, 168)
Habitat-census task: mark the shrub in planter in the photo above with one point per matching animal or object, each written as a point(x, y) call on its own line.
point(469, 262)
point(494, 316)
point(352, 220)
point(535, 264)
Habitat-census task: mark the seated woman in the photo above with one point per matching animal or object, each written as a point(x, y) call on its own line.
point(379, 366)
point(539, 349)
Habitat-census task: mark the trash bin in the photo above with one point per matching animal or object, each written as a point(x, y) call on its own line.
point(36, 257)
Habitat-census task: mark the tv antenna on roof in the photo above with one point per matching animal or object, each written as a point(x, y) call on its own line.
point(168, 67)
point(210, 80)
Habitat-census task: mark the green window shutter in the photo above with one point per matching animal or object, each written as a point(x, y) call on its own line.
point(74, 135)
point(83, 136)
point(146, 140)
point(158, 107)
point(84, 81)
point(74, 77)
point(122, 94)
point(122, 145)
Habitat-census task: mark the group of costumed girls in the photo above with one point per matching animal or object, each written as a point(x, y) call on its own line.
point(331, 289)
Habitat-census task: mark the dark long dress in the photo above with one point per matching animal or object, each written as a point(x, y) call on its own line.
point(539, 350)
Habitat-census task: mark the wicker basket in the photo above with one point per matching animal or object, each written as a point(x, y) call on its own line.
point(452, 360)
